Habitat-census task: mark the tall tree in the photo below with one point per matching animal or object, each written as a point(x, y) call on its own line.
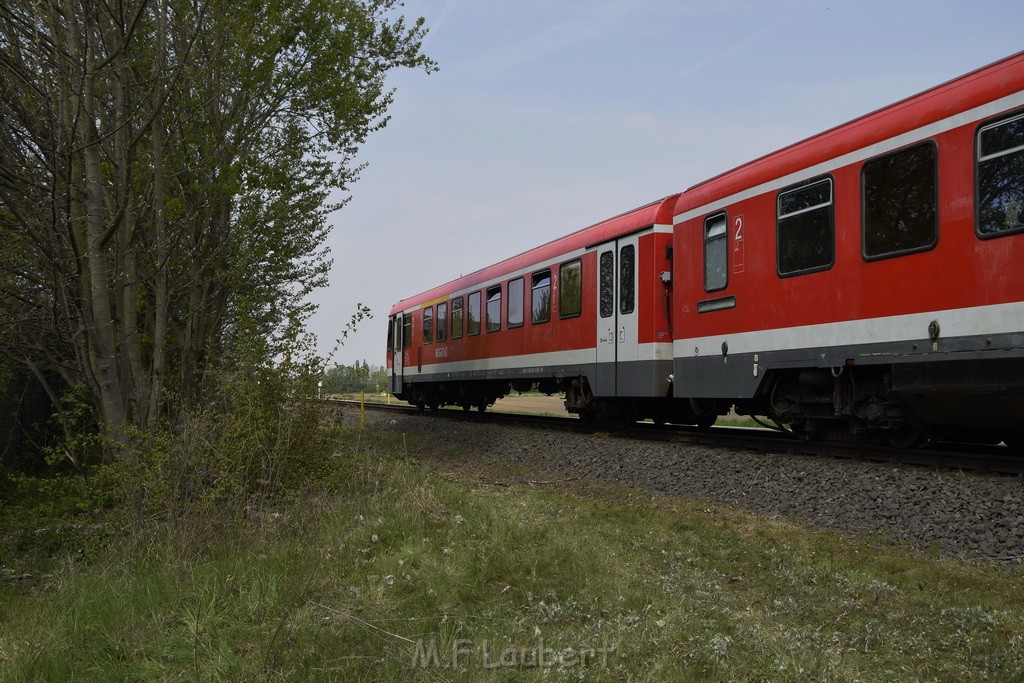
point(165, 174)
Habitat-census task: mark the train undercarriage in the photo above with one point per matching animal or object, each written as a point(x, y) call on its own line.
point(904, 406)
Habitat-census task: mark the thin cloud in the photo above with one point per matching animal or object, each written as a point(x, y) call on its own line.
point(436, 25)
point(555, 36)
point(736, 48)
point(550, 40)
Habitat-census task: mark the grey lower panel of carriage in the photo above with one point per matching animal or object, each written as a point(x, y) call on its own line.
point(635, 378)
point(740, 375)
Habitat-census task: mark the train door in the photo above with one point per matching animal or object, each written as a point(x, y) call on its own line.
point(397, 347)
point(617, 327)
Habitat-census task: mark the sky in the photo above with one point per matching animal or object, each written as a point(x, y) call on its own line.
point(548, 116)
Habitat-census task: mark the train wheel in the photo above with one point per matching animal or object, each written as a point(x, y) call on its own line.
point(705, 421)
point(801, 432)
point(1015, 442)
point(482, 406)
point(906, 436)
point(467, 407)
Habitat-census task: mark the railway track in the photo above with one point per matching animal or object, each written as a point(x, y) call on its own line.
point(958, 456)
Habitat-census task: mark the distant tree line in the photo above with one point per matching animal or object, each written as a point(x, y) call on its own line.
point(345, 379)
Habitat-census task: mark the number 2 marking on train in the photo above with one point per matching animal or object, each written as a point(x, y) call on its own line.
point(737, 246)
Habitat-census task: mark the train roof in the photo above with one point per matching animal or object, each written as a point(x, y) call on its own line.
point(935, 104)
point(655, 213)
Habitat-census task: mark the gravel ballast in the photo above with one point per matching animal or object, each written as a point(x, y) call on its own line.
point(969, 515)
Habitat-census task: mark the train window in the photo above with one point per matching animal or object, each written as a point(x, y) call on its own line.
point(1001, 177)
point(407, 331)
point(457, 318)
point(428, 324)
point(716, 253)
point(900, 202)
point(607, 279)
point(540, 309)
point(494, 308)
point(442, 322)
point(515, 303)
point(805, 228)
point(570, 289)
point(473, 320)
point(391, 335)
point(627, 279)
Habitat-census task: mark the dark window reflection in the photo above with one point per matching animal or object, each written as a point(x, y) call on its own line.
point(442, 322)
point(494, 308)
point(515, 302)
point(627, 279)
point(428, 324)
point(570, 289)
point(806, 233)
point(473, 314)
point(457, 318)
point(1001, 177)
point(607, 276)
point(900, 211)
point(541, 305)
point(716, 255)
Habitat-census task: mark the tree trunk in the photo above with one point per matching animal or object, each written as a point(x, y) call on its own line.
point(100, 334)
point(160, 265)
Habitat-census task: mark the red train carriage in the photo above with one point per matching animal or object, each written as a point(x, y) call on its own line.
point(870, 279)
point(586, 314)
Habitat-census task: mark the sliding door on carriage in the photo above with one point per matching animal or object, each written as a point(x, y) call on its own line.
point(397, 349)
point(617, 327)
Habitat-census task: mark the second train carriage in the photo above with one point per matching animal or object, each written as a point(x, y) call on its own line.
point(587, 314)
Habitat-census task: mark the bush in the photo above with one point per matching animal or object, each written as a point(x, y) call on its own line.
point(258, 441)
point(256, 444)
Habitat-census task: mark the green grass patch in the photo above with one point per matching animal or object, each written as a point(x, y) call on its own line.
point(402, 570)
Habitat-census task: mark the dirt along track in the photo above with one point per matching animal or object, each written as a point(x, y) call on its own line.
point(549, 405)
point(529, 403)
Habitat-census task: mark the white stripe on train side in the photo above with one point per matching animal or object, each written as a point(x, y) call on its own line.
point(957, 322)
point(648, 352)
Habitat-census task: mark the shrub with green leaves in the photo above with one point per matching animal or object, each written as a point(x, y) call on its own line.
point(260, 441)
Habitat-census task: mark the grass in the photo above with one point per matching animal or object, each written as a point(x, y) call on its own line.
point(425, 569)
point(739, 421)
